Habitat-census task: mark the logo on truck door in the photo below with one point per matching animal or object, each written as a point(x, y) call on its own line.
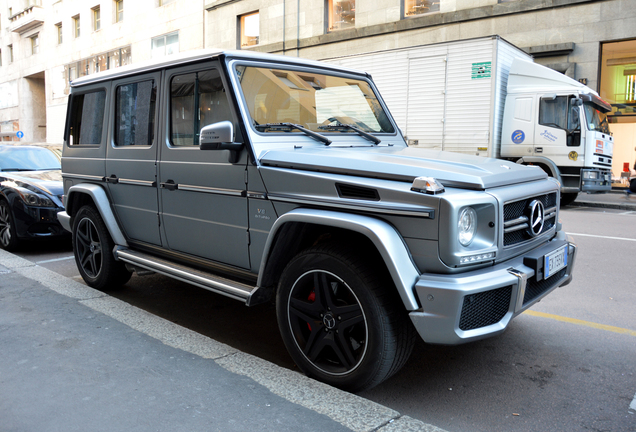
point(518, 136)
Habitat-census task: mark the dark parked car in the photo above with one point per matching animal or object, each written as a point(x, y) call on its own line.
point(30, 194)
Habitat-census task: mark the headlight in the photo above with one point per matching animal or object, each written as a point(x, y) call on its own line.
point(37, 200)
point(467, 226)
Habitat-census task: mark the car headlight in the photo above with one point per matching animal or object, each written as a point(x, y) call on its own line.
point(34, 199)
point(467, 226)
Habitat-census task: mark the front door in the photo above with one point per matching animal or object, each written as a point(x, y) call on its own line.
point(203, 202)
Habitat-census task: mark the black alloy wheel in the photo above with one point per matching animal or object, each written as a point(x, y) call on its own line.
point(93, 249)
point(341, 319)
point(8, 237)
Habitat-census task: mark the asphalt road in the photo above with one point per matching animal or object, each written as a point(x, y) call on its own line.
point(568, 364)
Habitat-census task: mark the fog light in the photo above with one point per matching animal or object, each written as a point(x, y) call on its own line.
point(477, 258)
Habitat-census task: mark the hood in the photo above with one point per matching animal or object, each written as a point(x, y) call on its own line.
point(48, 181)
point(405, 164)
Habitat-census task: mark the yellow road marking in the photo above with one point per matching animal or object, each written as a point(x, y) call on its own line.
point(583, 323)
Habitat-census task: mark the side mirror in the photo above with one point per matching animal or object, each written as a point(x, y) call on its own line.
point(220, 136)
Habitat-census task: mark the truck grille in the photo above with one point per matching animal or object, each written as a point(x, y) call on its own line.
point(485, 308)
point(517, 218)
point(534, 289)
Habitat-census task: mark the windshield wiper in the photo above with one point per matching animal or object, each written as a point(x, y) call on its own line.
point(341, 127)
point(288, 127)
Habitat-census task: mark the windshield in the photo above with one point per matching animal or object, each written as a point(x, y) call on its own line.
point(310, 100)
point(596, 120)
point(14, 158)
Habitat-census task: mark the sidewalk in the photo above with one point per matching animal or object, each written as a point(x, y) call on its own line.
point(616, 199)
point(76, 359)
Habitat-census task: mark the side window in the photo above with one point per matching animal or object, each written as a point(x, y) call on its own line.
point(554, 112)
point(86, 118)
point(135, 113)
point(196, 100)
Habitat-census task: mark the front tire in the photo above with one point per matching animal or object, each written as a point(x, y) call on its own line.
point(568, 198)
point(8, 237)
point(93, 249)
point(341, 320)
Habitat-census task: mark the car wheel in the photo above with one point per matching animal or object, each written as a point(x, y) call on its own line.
point(341, 320)
point(93, 249)
point(8, 238)
point(568, 198)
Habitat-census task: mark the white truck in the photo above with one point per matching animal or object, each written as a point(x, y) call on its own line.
point(485, 96)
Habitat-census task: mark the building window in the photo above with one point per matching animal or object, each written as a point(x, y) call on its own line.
point(97, 21)
point(165, 45)
point(10, 53)
point(34, 3)
point(420, 7)
point(341, 14)
point(249, 25)
point(35, 44)
point(76, 25)
point(618, 79)
point(164, 2)
point(119, 10)
point(59, 33)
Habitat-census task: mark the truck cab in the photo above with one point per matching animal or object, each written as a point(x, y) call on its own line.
point(560, 125)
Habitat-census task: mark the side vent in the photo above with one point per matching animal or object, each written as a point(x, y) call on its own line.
point(357, 192)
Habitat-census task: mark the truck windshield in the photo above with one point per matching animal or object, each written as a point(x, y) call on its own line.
point(311, 100)
point(596, 120)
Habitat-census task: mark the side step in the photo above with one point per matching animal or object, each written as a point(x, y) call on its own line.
point(209, 281)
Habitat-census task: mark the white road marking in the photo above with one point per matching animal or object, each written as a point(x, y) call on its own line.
point(632, 406)
point(56, 259)
point(600, 236)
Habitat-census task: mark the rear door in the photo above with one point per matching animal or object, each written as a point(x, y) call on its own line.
point(203, 202)
point(131, 170)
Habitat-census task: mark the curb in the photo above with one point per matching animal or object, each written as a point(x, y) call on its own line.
point(626, 206)
point(353, 412)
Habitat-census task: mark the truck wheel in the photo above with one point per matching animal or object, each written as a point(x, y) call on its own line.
point(568, 198)
point(8, 236)
point(341, 321)
point(93, 249)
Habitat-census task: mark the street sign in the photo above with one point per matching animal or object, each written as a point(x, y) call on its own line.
point(20, 134)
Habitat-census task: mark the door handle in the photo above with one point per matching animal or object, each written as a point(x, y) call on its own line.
point(538, 149)
point(170, 185)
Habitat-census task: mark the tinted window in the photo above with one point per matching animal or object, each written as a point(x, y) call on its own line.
point(135, 113)
point(196, 100)
point(87, 118)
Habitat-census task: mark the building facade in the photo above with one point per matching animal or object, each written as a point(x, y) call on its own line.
point(46, 43)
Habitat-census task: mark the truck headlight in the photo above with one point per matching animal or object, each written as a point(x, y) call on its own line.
point(467, 226)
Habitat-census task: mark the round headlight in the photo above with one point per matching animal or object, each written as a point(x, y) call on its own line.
point(467, 226)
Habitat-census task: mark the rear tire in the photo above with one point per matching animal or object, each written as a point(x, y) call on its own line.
point(93, 249)
point(341, 320)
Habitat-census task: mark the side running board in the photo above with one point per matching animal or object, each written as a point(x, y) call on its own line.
point(209, 281)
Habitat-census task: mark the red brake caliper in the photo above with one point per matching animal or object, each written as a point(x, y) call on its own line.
point(311, 298)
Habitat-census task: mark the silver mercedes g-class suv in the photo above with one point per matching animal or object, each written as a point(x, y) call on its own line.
point(273, 178)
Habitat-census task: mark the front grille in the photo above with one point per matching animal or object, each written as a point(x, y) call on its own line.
point(516, 218)
point(485, 308)
point(534, 289)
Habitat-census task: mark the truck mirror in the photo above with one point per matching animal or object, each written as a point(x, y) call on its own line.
point(577, 101)
point(575, 117)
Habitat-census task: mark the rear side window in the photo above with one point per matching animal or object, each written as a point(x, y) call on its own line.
point(86, 118)
point(196, 100)
point(135, 113)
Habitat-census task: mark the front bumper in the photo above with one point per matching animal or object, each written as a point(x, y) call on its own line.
point(596, 180)
point(474, 305)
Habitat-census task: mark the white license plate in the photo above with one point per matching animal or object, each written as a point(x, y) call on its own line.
point(555, 261)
